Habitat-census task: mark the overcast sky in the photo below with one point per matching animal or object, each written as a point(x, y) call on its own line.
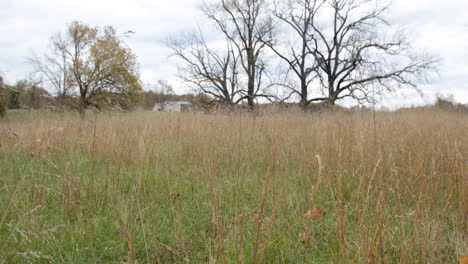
point(440, 27)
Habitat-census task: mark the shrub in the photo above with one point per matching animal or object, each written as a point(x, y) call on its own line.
point(449, 104)
point(3, 99)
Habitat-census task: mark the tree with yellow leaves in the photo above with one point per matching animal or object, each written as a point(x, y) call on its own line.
point(99, 65)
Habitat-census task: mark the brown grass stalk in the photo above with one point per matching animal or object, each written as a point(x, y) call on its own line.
point(128, 238)
point(261, 214)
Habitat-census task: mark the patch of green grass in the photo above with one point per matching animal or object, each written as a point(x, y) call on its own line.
point(179, 188)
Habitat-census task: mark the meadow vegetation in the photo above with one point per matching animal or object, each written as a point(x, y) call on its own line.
point(148, 187)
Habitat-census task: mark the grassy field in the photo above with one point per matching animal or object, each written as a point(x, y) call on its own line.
point(192, 188)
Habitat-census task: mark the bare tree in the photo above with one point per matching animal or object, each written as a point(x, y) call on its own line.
point(211, 71)
point(298, 16)
point(54, 67)
point(246, 23)
point(355, 55)
point(164, 87)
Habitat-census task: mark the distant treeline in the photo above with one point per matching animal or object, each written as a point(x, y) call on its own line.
point(27, 94)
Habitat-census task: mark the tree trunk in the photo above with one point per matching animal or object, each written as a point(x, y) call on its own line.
point(250, 93)
point(304, 95)
point(331, 92)
point(251, 78)
point(82, 108)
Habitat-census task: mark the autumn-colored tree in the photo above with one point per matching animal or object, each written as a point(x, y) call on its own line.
point(100, 66)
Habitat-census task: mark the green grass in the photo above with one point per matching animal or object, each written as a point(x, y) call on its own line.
point(189, 188)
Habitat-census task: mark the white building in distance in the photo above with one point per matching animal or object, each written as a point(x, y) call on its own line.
point(179, 106)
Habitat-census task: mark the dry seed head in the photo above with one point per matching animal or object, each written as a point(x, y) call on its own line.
point(307, 238)
point(175, 195)
point(53, 229)
point(313, 213)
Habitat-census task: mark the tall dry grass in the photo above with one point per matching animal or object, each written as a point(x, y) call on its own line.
point(278, 188)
